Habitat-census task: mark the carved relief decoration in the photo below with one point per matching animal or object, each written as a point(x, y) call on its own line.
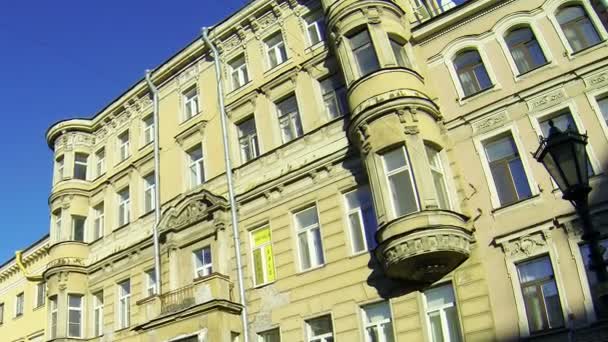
point(384, 97)
point(597, 79)
point(68, 140)
point(489, 123)
point(526, 246)
point(547, 100)
point(192, 209)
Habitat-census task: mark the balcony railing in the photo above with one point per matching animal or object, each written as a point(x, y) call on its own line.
point(178, 300)
point(427, 9)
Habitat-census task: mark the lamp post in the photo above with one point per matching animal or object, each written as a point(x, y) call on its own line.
point(564, 156)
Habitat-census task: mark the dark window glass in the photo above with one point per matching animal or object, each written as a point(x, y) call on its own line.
point(471, 72)
point(525, 49)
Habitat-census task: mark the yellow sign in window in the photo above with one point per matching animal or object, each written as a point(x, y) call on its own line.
point(263, 261)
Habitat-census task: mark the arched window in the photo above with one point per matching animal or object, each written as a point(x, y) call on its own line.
point(525, 49)
point(577, 27)
point(471, 72)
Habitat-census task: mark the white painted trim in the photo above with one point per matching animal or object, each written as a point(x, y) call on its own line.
point(593, 96)
point(201, 334)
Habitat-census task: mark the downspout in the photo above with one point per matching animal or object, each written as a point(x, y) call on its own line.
point(19, 262)
point(235, 229)
point(154, 92)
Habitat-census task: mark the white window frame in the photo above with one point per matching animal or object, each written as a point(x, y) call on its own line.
point(1, 313)
point(124, 146)
point(98, 306)
point(80, 310)
point(444, 173)
point(407, 167)
point(241, 71)
point(150, 283)
point(291, 117)
point(98, 221)
point(206, 268)
point(19, 304)
point(264, 262)
point(191, 101)
point(199, 164)
point(84, 164)
point(314, 263)
point(148, 129)
point(124, 206)
point(100, 162)
point(322, 337)
point(60, 168)
point(312, 19)
point(124, 305)
point(40, 295)
point(57, 223)
point(593, 97)
point(442, 315)
point(359, 212)
point(149, 184)
point(335, 95)
point(378, 325)
point(259, 337)
point(275, 50)
point(479, 143)
point(53, 316)
point(252, 140)
point(75, 219)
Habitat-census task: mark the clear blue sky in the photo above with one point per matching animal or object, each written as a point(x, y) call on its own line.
point(66, 58)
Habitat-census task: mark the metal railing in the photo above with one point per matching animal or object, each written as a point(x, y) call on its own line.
point(427, 9)
point(178, 300)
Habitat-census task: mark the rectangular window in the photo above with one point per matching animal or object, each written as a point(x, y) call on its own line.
point(320, 329)
point(289, 118)
point(434, 157)
point(124, 304)
point(563, 120)
point(399, 52)
point(74, 315)
point(442, 315)
point(124, 207)
point(600, 311)
point(507, 170)
point(196, 166)
point(377, 322)
point(400, 182)
point(149, 192)
point(53, 317)
point(275, 50)
point(148, 129)
point(100, 162)
point(60, 168)
point(40, 294)
point(98, 313)
point(309, 238)
point(235, 337)
point(263, 260)
point(123, 146)
point(603, 104)
point(57, 224)
point(190, 99)
point(270, 336)
point(202, 262)
point(541, 297)
point(150, 288)
point(80, 165)
point(238, 72)
point(334, 96)
point(19, 301)
point(98, 221)
point(1, 313)
point(248, 140)
point(78, 228)
point(364, 53)
point(315, 28)
point(361, 219)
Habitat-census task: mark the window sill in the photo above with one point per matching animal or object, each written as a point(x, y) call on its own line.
point(532, 71)
point(308, 270)
point(515, 204)
point(122, 161)
point(470, 97)
point(38, 307)
point(146, 214)
point(277, 67)
point(121, 330)
point(146, 299)
point(321, 46)
point(96, 240)
point(240, 89)
point(122, 226)
point(17, 317)
point(183, 122)
point(257, 287)
point(144, 146)
point(588, 49)
point(546, 333)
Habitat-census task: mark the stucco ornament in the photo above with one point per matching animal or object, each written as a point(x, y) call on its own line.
point(526, 246)
point(193, 209)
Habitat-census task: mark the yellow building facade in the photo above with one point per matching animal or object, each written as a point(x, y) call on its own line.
point(384, 184)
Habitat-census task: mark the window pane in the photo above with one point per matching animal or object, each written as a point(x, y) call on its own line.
point(536, 269)
point(307, 218)
point(436, 327)
point(377, 312)
point(525, 49)
point(304, 251)
point(403, 196)
point(320, 326)
point(592, 278)
point(453, 324)
point(364, 52)
point(270, 336)
point(356, 232)
point(603, 103)
point(577, 27)
point(471, 72)
point(439, 296)
point(519, 179)
point(394, 159)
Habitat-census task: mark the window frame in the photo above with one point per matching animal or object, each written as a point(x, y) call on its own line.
point(98, 312)
point(148, 126)
point(80, 310)
point(338, 95)
point(190, 98)
point(593, 18)
point(19, 304)
point(323, 337)
point(275, 49)
point(100, 162)
point(207, 268)
point(124, 304)
point(359, 212)
point(412, 178)
point(59, 168)
point(200, 174)
point(57, 223)
point(317, 16)
point(75, 220)
point(82, 166)
point(515, 25)
point(259, 334)
point(99, 219)
point(442, 313)
point(124, 206)
point(149, 186)
point(441, 169)
point(294, 118)
point(401, 53)
point(251, 140)
point(593, 97)
point(40, 295)
point(53, 316)
point(314, 264)
point(241, 71)
point(124, 145)
point(265, 268)
point(2, 307)
point(150, 283)
point(365, 325)
point(353, 55)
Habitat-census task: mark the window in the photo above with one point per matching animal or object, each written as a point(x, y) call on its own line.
point(309, 238)
point(124, 207)
point(57, 224)
point(600, 311)
point(289, 118)
point(603, 104)
point(98, 221)
point(441, 314)
point(248, 140)
point(40, 294)
point(438, 173)
point(263, 260)
point(124, 304)
point(59, 167)
point(507, 170)
point(148, 129)
point(364, 53)
point(149, 192)
point(190, 99)
point(53, 317)
point(202, 262)
point(275, 50)
point(196, 166)
point(123, 146)
point(80, 165)
point(235, 337)
point(1, 313)
point(100, 162)
point(238, 71)
point(315, 28)
point(563, 121)
point(577, 27)
point(320, 329)
point(19, 301)
point(471, 72)
point(74, 315)
point(400, 182)
point(399, 52)
point(601, 9)
point(525, 50)
point(334, 96)
point(539, 291)
point(78, 227)
point(150, 288)
point(361, 219)
point(270, 336)
point(98, 313)
point(377, 322)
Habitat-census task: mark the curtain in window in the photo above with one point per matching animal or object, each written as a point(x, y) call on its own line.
point(468, 85)
point(520, 60)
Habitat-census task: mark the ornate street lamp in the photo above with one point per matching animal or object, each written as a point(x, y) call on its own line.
point(564, 156)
